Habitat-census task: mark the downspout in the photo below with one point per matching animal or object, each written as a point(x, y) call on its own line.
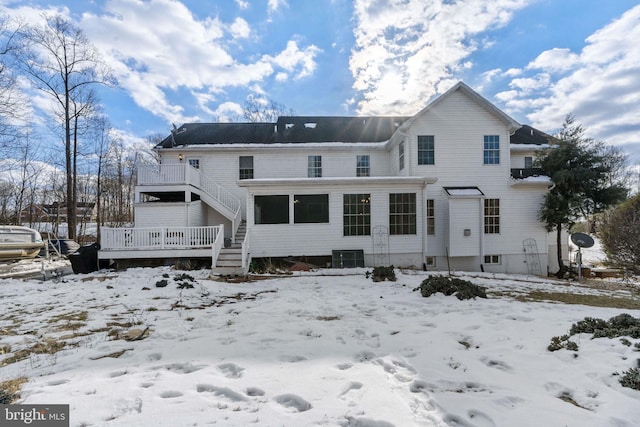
point(481, 230)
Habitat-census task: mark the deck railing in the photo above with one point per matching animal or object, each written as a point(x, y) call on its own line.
point(186, 174)
point(520, 173)
point(117, 239)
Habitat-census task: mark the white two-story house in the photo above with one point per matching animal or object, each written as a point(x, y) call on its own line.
point(452, 187)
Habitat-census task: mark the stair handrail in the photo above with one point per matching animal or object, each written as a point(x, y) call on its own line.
point(221, 194)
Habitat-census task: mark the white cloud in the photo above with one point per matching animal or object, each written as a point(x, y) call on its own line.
point(292, 58)
point(154, 61)
point(227, 112)
point(242, 4)
point(555, 60)
point(512, 72)
point(405, 49)
point(240, 29)
point(274, 5)
point(600, 85)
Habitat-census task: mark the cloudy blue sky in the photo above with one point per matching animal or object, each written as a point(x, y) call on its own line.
point(199, 60)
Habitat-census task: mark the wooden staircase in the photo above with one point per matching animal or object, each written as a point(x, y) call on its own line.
point(230, 258)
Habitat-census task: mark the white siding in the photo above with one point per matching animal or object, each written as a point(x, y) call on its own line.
point(161, 214)
point(458, 124)
point(279, 240)
point(464, 214)
point(197, 214)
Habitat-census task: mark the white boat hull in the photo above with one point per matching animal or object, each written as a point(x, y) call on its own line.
point(18, 242)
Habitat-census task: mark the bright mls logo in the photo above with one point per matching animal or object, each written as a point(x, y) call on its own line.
point(34, 415)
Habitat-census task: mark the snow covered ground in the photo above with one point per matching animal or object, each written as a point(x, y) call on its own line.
point(326, 348)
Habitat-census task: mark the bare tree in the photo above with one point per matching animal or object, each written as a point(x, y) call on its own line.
point(6, 191)
point(12, 101)
point(26, 180)
point(103, 139)
point(63, 64)
point(262, 110)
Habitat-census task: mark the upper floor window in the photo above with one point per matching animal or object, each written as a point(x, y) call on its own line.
point(314, 167)
point(402, 213)
point(356, 214)
point(431, 217)
point(492, 216)
point(246, 167)
point(528, 162)
point(426, 150)
point(492, 149)
point(401, 155)
point(310, 208)
point(362, 166)
point(194, 163)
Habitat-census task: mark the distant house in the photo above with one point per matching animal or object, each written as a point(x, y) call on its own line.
point(451, 187)
point(56, 212)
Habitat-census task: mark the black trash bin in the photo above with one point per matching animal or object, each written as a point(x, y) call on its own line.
point(85, 259)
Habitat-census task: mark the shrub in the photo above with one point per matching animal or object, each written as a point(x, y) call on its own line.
point(631, 378)
point(621, 325)
point(619, 234)
point(380, 274)
point(6, 398)
point(558, 343)
point(463, 289)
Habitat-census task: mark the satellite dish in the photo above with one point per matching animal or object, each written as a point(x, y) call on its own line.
point(582, 240)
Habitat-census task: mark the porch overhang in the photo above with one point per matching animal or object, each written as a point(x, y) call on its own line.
point(337, 181)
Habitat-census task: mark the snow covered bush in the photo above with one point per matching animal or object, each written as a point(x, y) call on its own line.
point(558, 343)
point(380, 274)
point(463, 289)
point(631, 378)
point(618, 326)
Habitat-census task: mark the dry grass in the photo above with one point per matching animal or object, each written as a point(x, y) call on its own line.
point(630, 303)
point(10, 389)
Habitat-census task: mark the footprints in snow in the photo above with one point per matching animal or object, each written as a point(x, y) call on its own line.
point(230, 370)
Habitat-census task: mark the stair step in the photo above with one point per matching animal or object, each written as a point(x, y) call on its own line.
point(231, 263)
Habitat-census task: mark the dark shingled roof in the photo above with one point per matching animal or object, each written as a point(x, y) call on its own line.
point(337, 129)
point(219, 133)
point(306, 129)
point(528, 135)
point(286, 130)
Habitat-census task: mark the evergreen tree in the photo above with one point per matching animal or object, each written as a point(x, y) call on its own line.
point(583, 173)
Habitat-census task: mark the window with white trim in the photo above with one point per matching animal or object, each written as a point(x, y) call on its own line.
point(491, 216)
point(426, 150)
point(528, 162)
point(314, 165)
point(194, 163)
point(431, 217)
point(356, 214)
point(492, 259)
point(492, 149)
point(401, 155)
point(246, 167)
point(362, 166)
point(402, 213)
